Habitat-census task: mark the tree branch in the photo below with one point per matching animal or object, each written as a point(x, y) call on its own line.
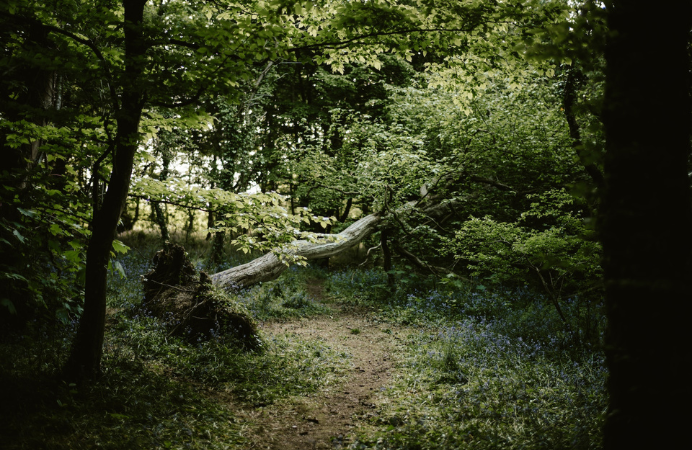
point(424, 265)
point(169, 202)
point(187, 102)
point(337, 45)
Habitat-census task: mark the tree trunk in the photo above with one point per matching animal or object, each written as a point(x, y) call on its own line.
point(646, 224)
point(158, 208)
point(216, 256)
point(87, 348)
point(568, 101)
point(190, 225)
point(269, 267)
point(347, 210)
point(387, 258)
point(160, 218)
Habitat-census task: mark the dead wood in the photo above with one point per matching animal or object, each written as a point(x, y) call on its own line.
point(190, 306)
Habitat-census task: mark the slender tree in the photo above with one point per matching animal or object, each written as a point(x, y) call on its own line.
point(646, 224)
point(87, 349)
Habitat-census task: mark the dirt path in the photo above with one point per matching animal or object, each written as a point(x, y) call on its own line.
point(326, 418)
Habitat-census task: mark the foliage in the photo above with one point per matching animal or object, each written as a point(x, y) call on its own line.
point(269, 225)
point(549, 241)
point(515, 312)
point(132, 406)
point(286, 365)
point(281, 299)
point(480, 367)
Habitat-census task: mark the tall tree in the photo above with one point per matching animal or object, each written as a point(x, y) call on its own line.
point(646, 224)
point(85, 358)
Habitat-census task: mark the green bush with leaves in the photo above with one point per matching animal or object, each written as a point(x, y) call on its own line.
point(549, 247)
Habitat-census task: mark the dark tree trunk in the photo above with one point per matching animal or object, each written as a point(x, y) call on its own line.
point(87, 349)
point(160, 216)
point(387, 257)
point(210, 223)
point(34, 87)
point(568, 100)
point(127, 221)
point(347, 210)
point(217, 244)
point(190, 225)
point(646, 224)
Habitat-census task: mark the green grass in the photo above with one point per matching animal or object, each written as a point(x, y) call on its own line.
point(283, 298)
point(466, 387)
point(483, 368)
point(133, 405)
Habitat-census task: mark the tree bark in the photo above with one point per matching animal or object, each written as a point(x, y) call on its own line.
point(347, 210)
point(269, 267)
point(87, 348)
point(646, 224)
point(158, 209)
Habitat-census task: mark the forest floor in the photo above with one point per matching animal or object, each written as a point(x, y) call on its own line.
point(345, 364)
point(326, 418)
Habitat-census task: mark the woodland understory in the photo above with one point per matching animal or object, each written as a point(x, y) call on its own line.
point(334, 224)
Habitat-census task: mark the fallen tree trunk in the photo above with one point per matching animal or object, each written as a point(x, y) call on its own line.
point(269, 266)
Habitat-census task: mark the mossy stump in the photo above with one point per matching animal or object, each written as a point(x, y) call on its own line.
point(188, 303)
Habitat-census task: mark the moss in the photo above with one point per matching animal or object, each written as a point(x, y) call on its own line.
point(190, 306)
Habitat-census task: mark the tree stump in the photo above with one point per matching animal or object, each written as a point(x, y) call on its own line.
point(190, 306)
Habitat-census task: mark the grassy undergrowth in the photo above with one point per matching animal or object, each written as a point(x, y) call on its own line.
point(487, 368)
point(285, 297)
point(157, 391)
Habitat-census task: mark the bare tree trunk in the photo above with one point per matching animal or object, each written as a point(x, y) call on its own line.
point(269, 267)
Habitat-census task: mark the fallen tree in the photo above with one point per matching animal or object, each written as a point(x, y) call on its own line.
point(270, 266)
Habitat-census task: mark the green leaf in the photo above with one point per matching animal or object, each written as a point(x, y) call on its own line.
point(14, 276)
point(9, 305)
point(120, 247)
point(27, 212)
point(18, 235)
point(55, 229)
point(120, 269)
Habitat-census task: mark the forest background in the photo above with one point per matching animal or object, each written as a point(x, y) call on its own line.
point(501, 145)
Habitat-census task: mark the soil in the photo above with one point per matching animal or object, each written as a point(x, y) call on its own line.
point(328, 418)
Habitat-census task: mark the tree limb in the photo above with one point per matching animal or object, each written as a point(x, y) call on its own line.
point(424, 265)
point(269, 266)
